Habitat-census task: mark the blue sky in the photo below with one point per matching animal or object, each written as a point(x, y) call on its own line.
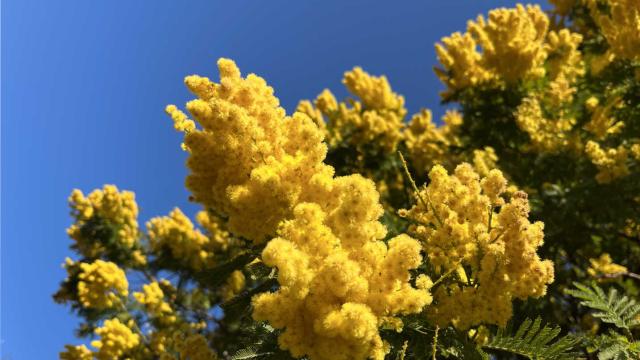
point(84, 85)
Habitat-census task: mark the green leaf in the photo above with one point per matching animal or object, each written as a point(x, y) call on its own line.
point(240, 305)
point(250, 352)
point(535, 341)
point(622, 311)
point(613, 346)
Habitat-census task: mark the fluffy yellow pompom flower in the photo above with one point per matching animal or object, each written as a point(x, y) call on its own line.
point(564, 58)
point(550, 135)
point(602, 123)
point(512, 41)
point(375, 92)
point(307, 108)
point(177, 234)
point(461, 61)
point(565, 65)
point(249, 161)
point(620, 25)
point(604, 266)
point(234, 285)
point(484, 160)
point(214, 228)
point(116, 339)
point(101, 284)
point(117, 209)
point(377, 119)
point(611, 162)
point(493, 253)
point(152, 297)
point(512, 44)
point(338, 282)
point(428, 144)
point(192, 347)
point(79, 352)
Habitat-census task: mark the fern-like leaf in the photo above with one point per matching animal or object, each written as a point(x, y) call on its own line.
point(250, 352)
point(535, 342)
point(253, 352)
point(613, 346)
point(622, 311)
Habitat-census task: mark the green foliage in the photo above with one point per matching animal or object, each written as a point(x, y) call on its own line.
point(535, 342)
point(612, 308)
point(613, 346)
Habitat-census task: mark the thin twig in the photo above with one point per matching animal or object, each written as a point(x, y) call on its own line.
point(618, 274)
point(445, 275)
point(427, 203)
point(434, 349)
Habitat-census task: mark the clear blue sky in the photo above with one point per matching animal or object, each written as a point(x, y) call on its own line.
point(84, 85)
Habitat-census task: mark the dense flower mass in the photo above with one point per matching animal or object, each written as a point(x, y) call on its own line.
point(118, 209)
point(79, 352)
point(512, 44)
point(101, 285)
point(375, 120)
point(620, 24)
point(428, 144)
point(116, 339)
point(152, 297)
point(611, 162)
point(176, 234)
point(192, 347)
point(493, 253)
point(249, 161)
point(550, 135)
point(315, 241)
point(512, 41)
point(337, 280)
point(604, 266)
point(234, 285)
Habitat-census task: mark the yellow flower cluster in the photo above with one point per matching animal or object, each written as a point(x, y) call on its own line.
point(604, 266)
point(611, 162)
point(602, 123)
point(512, 41)
point(375, 92)
point(177, 234)
point(101, 284)
point(152, 297)
point(234, 285)
point(79, 352)
point(192, 347)
point(620, 25)
point(250, 161)
point(118, 209)
point(428, 144)
point(632, 227)
point(376, 119)
point(549, 135)
point(564, 58)
point(338, 282)
point(116, 339)
point(461, 61)
point(565, 65)
point(512, 48)
point(484, 160)
point(492, 253)
point(214, 228)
